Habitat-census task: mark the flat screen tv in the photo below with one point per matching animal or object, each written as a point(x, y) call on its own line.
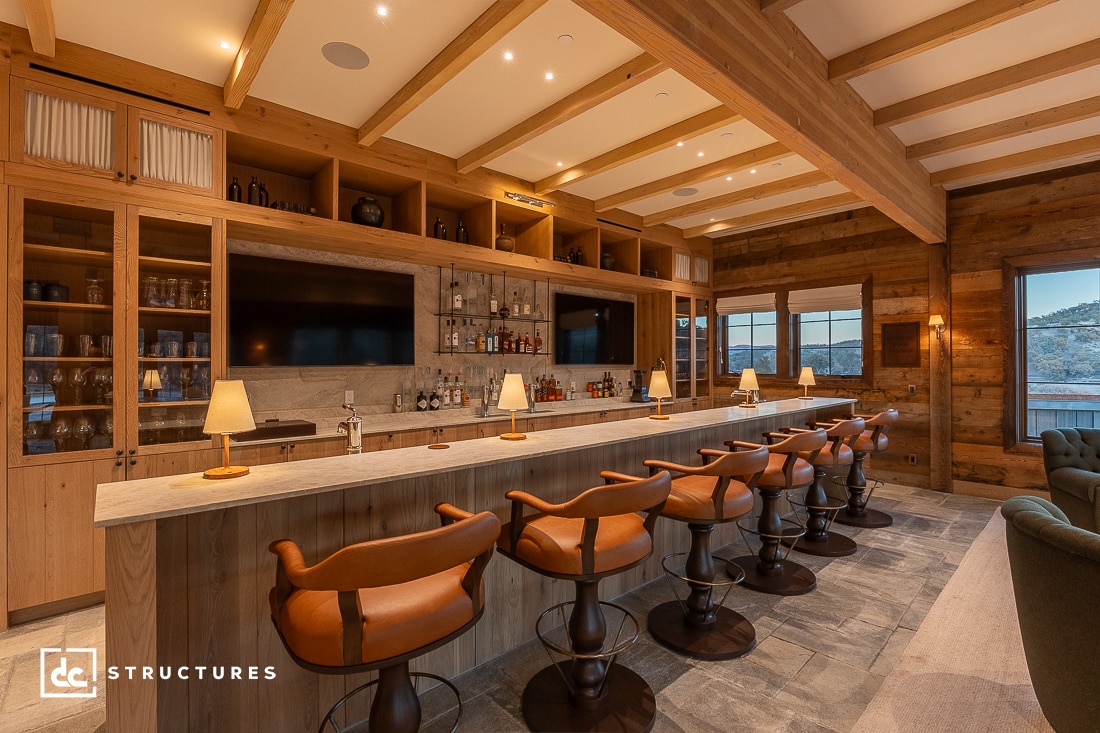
point(593, 330)
point(290, 313)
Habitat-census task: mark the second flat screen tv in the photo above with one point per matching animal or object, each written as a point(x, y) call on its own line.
point(290, 313)
point(593, 330)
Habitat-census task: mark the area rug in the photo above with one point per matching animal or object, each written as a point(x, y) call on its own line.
point(964, 670)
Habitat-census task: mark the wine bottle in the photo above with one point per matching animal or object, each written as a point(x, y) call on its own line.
point(254, 192)
point(265, 199)
point(234, 191)
point(538, 341)
point(461, 236)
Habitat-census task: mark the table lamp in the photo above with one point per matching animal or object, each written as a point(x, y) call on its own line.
point(229, 412)
point(150, 382)
point(512, 397)
point(749, 386)
point(658, 387)
point(805, 381)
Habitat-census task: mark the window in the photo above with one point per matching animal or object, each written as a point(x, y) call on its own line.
point(1058, 347)
point(750, 342)
point(831, 342)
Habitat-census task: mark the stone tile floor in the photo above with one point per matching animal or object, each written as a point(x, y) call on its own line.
point(820, 658)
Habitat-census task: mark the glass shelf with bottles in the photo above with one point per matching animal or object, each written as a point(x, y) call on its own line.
point(474, 318)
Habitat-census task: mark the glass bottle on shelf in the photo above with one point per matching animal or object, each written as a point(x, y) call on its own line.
point(201, 302)
point(526, 304)
point(471, 294)
point(234, 193)
point(538, 341)
point(254, 192)
point(456, 296)
point(517, 307)
point(494, 301)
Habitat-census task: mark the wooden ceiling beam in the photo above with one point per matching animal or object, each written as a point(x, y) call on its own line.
point(724, 167)
point(700, 124)
point(1046, 119)
point(775, 7)
point(632, 73)
point(490, 27)
point(954, 24)
point(1053, 65)
point(1060, 153)
point(767, 70)
point(39, 15)
point(261, 34)
point(763, 191)
point(825, 205)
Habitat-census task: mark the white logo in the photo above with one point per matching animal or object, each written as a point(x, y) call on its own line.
point(71, 672)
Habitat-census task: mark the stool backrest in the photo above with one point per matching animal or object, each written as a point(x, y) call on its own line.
point(643, 495)
point(844, 433)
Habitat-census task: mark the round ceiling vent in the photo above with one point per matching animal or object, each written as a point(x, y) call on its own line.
point(345, 55)
point(685, 191)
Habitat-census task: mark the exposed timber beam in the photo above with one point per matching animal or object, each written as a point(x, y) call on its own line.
point(615, 82)
point(1046, 119)
point(775, 7)
point(39, 16)
point(261, 34)
point(962, 21)
point(700, 124)
point(1059, 153)
point(825, 205)
point(724, 167)
point(1059, 63)
point(765, 190)
point(478, 37)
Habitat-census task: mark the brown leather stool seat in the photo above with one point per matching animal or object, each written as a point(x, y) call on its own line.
point(821, 509)
point(376, 605)
point(771, 571)
point(717, 492)
point(594, 535)
point(873, 439)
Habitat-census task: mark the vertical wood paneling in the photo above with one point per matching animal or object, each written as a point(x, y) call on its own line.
point(131, 622)
point(173, 714)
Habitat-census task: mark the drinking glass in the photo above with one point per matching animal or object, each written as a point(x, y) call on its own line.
point(32, 380)
point(109, 424)
point(186, 379)
point(60, 431)
point(78, 378)
point(56, 378)
point(83, 429)
point(100, 379)
point(181, 426)
point(32, 430)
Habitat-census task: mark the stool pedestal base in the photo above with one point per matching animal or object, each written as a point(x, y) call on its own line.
point(793, 580)
point(730, 636)
point(834, 545)
point(867, 519)
point(627, 703)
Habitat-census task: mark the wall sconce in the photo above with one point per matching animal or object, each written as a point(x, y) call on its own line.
point(228, 412)
point(658, 387)
point(936, 322)
point(805, 381)
point(512, 397)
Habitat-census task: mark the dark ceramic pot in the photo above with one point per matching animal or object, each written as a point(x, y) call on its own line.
point(504, 242)
point(607, 261)
point(367, 211)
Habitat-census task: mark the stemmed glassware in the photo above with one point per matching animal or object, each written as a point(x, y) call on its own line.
point(56, 378)
point(83, 429)
point(60, 431)
point(101, 378)
point(78, 378)
point(32, 381)
point(186, 379)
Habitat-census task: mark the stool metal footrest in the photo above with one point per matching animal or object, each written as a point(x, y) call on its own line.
point(361, 725)
point(865, 518)
point(826, 543)
point(781, 575)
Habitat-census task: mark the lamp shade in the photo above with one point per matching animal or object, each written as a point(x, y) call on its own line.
point(806, 377)
point(512, 394)
point(151, 380)
point(229, 411)
point(658, 384)
point(935, 320)
point(748, 379)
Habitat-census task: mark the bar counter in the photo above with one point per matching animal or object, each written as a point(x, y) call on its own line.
point(188, 571)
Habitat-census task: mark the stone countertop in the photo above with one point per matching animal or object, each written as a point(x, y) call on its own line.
point(140, 500)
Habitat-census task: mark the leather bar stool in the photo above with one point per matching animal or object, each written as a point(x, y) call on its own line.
point(872, 440)
point(376, 605)
point(703, 496)
point(821, 510)
point(771, 570)
point(592, 536)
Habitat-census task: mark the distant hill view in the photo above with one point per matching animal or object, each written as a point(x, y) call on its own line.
point(1058, 354)
point(847, 358)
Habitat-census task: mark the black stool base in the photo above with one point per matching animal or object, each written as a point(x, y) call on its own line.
point(795, 579)
point(628, 704)
point(869, 519)
point(834, 545)
point(731, 636)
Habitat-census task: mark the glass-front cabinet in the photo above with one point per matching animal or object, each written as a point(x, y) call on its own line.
point(691, 345)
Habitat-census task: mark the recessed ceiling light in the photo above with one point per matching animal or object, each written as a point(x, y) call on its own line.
point(224, 45)
point(699, 154)
point(685, 191)
point(680, 144)
point(383, 10)
point(508, 56)
point(549, 76)
point(565, 39)
point(559, 164)
point(729, 178)
point(753, 171)
point(345, 55)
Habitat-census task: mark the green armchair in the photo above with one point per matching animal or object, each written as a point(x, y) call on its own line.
point(1071, 457)
point(1056, 582)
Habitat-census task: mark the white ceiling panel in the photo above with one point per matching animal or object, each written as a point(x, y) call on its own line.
point(836, 27)
point(1031, 141)
point(751, 207)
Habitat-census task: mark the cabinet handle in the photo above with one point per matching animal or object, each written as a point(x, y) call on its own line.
point(133, 461)
point(118, 463)
point(132, 178)
point(118, 452)
point(282, 446)
point(132, 451)
point(292, 446)
point(120, 175)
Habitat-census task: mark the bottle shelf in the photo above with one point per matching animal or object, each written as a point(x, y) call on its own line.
point(148, 262)
point(149, 310)
point(65, 306)
point(54, 254)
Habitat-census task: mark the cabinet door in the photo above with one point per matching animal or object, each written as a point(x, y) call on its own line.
point(701, 355)
point(54, 551)
point(306, 449)
point(151, 465)
point(256, 455)
point(67, 131)
point(175, 153)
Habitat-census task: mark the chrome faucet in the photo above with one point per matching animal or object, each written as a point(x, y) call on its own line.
point(485, 395)
point(353, 427)
point(752, 397)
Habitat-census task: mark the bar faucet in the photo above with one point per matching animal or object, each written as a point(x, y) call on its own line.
point(531, 392)
point(353, 427)
point(752, 396)
point(485, 395)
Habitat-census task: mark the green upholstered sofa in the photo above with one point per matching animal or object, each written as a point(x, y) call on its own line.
point(1071, 457)
point(1056, 581)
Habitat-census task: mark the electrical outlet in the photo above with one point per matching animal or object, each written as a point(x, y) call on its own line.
point(912, 459)
point(349, 396)
point(912, 389)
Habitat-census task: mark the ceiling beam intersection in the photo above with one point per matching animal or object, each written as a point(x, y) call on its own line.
point(258, 39)
point(39, 15)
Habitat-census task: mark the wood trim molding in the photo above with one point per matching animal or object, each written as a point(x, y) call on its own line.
point(825, 205)
point(952, 25)
point(742, 58)
point(632, 73)
point(700, 124)
point(1057, 153)
point(40, 25)
point(491, 26)
point(724, 167)
point(261, 34)
point(1083, 109)
point(1059, 63)
point(766, 190)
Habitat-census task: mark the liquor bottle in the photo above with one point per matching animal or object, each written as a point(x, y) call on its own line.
point(465, 392)
point(455, 343)
point(526, 304)
point(421, 400)
point(434, 399)
point(552, 388)
point(234, 191)
point(494, 303)
point(516, 305)
point(265, 199)
point(480, 344)
point(471, 336)
point(538, 341)
point(527, 343)
point(456, 297)
point(439, 230)
point(254, 192)
point(471, 295)
point(461, 236)
point(446, 391)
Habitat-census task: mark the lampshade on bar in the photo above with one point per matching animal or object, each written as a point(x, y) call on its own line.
point(228, 412)
point(806, 380)
point(658, 387)
point(512, 397)
point(750, 386)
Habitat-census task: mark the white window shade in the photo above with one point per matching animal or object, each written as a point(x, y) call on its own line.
point(838, 298)
point(170, 153)
point(761, 303)
point(681, 266)
point(702, 270)
point(72, 132)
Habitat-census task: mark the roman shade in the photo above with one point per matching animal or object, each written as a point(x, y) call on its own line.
point(759, 303)
point(836, 298)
